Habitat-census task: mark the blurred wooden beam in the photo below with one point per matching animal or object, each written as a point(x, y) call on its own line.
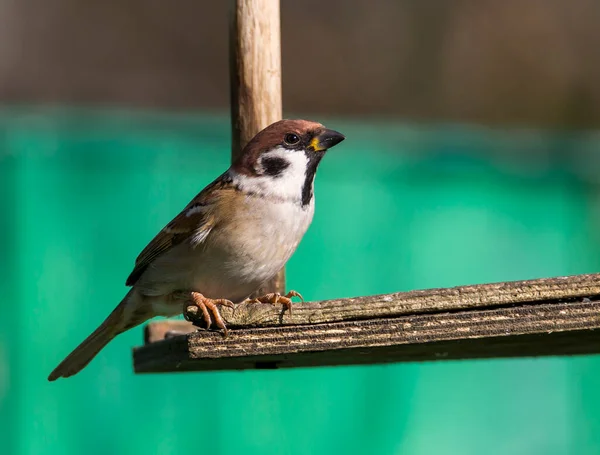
point(557, 316)
point(255, 75)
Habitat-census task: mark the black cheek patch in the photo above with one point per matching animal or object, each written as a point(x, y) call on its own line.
point(274, 166)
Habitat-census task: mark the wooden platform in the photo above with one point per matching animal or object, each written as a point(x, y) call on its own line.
point(556, 316)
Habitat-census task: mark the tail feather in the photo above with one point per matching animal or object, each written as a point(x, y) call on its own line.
point(83, 354)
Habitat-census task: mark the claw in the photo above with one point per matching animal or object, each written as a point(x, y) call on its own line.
point(276, 297)
point(209, 307)
point(291, 294)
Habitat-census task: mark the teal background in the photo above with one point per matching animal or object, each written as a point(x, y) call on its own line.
point(399, 207)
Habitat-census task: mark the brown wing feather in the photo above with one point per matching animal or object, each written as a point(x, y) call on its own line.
point(193, 220)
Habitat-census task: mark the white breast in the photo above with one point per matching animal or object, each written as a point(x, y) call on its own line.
point(268, 223)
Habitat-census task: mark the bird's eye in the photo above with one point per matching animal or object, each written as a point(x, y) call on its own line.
point(291, 139)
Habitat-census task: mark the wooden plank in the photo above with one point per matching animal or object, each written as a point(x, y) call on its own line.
point(556, 316)
point(255, 73)
point(415, 302)
point(553, 329)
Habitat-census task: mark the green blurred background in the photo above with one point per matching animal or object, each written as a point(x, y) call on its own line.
point(399, 207)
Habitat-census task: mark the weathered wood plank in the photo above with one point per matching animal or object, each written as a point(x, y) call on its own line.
point(551, 329)
point(556, 316)
point(415, 302)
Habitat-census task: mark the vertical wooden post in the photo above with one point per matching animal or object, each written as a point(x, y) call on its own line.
point(255, 73)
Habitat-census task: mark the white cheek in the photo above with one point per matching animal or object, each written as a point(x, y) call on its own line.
point(287, 186)
point(291, 180)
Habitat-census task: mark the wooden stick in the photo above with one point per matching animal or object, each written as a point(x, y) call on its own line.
point(557, 316)
point(255, 72)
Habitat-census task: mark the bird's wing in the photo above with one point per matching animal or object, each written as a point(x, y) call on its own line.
point(194, 223)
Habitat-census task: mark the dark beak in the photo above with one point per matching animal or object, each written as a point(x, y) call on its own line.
point(325, 140)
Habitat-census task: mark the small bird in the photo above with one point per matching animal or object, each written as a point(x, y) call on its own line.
point(237, 233)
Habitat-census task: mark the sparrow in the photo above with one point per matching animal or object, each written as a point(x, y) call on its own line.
point(237, 233)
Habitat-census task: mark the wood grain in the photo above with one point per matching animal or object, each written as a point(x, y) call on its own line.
point(255, 74)
point(415, 302)
point(557, 316)
point(538, 330)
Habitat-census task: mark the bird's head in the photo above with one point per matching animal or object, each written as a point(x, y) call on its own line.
point(283, 158)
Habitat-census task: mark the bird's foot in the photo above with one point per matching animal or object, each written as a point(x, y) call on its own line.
point(208, 307)
point(276, 297)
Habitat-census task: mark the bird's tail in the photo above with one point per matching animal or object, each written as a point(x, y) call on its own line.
point(121, 319)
